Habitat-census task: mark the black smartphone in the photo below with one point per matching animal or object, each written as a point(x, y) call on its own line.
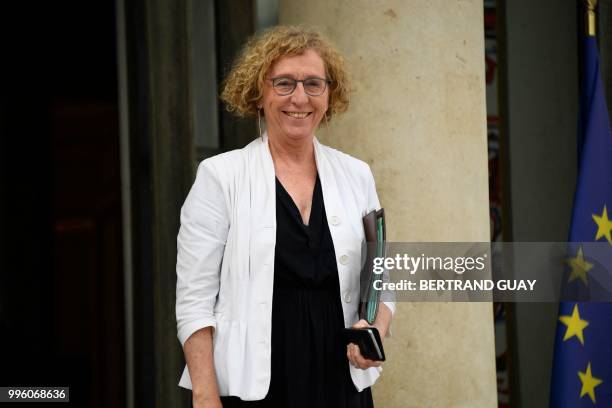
point(368, 341)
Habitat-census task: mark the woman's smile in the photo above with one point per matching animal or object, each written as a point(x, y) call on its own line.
point(297, 115)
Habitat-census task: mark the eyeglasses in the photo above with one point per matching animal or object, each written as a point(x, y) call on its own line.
point(312, 86)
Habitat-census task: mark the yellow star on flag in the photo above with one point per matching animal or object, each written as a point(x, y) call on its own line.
point(579, 266)
point(575, 325)
point(588, 383)
point(604, 225)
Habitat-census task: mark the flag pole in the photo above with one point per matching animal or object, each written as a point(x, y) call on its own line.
point(590, 18)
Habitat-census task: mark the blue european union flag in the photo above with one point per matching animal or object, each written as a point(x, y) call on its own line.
point(582, 368)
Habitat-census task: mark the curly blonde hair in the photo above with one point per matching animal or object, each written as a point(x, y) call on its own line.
point(243, 87)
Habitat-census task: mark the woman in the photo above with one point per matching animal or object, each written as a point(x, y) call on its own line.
point(269, 249)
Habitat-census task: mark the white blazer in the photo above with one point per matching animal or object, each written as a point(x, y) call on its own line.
point(225, 262)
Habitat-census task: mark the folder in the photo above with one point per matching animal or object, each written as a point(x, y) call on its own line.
point(375, 236)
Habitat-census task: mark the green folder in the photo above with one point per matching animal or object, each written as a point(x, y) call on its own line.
point(375, 233)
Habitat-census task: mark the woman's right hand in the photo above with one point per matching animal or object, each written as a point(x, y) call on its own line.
point(198, 351)
point(206, 402)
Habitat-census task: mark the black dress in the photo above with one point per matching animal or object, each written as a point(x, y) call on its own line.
point(309, 363)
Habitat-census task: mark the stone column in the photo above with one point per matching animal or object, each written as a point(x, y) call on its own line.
point(418, 118)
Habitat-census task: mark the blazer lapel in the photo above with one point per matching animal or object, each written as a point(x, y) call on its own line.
point(262, 203)
point(269, 181)
point(331, 193)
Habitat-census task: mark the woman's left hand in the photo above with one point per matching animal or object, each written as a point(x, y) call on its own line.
point(354, 354)
point(383, 320)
